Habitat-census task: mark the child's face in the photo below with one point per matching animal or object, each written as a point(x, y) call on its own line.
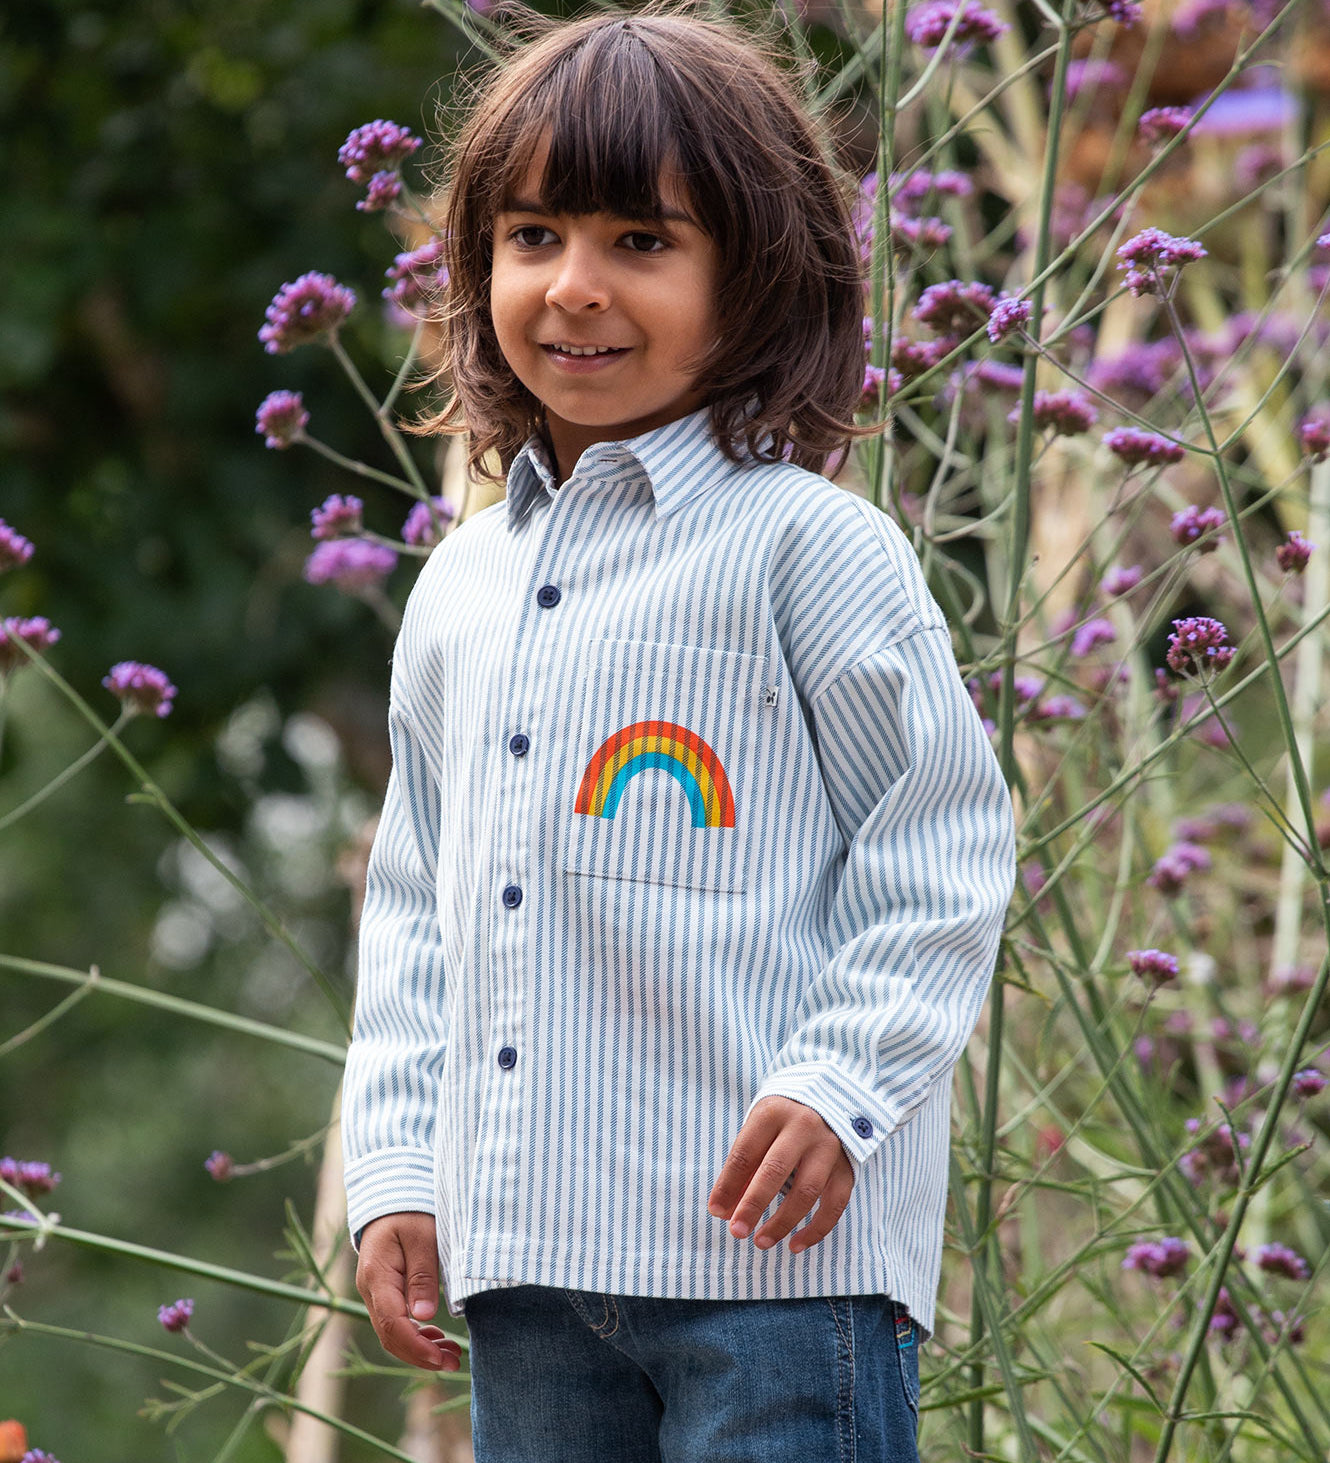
point(648, 290)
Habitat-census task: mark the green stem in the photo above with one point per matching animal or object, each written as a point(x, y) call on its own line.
point(90, 980)
point(361, 469)
point(59, 780)
point(390, 433)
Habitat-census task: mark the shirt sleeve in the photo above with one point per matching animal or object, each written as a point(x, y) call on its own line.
point(926, 817)
point(389, 1092)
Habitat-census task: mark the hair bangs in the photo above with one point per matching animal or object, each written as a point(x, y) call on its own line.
point(603, 123)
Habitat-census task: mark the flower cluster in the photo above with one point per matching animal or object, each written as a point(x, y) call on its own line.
point(1156, 966)
point(1008, 315)
point(220, 1165)
point(1200, 526)
point(424, 525)
point(1308, 1083)
point(305, 310)
point(337, 516)
point(175, 1317)
point(1176, 864)
point(1160, 124)
point(926, 25)
point(33, 1178)
point(141, 689)
point(1315, 431)
point(1280, 1260)
point(1215, 1155)
point(1292, 555)
point(15, 550)
point(1064, 413)
point(1135, 447)
point(1148, 255)
point(354, 565)
point(1160, 1258)
point(416, 277)
point(37, 633)
point(1120, 580)
point(1091, 635)
point(281, 419)
point(955, 307)
point(1198, 644)
point(373, 154)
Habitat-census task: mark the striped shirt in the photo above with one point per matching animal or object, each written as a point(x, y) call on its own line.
point(689, 807)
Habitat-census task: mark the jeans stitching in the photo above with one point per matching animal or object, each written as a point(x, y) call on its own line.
point(844, 1381)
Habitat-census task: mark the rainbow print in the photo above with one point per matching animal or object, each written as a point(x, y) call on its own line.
point(674, 749)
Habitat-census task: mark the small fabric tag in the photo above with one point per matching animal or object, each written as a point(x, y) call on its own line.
point(771, 694)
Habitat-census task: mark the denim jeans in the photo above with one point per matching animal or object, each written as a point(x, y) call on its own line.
point(573, 1376)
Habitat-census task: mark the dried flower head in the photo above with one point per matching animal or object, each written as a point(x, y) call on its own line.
point(37, 633)
point(305, 310)
point(141, 689)
point(281, 419)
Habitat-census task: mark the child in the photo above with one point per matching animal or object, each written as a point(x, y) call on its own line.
point(691, 871)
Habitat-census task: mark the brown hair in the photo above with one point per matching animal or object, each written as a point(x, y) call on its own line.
point(623, 99)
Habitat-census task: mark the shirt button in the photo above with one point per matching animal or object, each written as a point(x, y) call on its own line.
point(548, 595)
point(507, 1057)
point(512, 896)
point(518, 745)
point(863, 1127)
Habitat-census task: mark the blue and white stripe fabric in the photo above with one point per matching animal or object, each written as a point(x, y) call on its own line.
point(689, 807)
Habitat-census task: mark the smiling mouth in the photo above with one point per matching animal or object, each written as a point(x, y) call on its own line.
point(577, 351)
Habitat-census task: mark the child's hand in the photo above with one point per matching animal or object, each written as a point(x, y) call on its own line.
point(780, 1137)
point(399, 1268)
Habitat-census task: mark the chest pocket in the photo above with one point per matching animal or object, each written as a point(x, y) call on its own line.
point(668, 747)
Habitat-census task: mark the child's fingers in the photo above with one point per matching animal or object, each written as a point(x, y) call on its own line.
point(806, 1187)
point(781, 1160)
point(835, 1198)
point(397, 1276)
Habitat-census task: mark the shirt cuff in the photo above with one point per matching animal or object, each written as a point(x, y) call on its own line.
point(391, 1181)
point(852, 1112)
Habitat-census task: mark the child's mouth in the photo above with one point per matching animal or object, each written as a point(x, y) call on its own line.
point(593, 360)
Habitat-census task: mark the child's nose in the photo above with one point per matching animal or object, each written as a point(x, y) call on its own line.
point(579, 281)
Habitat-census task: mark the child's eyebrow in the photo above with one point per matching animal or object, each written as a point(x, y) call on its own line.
point(535, 205)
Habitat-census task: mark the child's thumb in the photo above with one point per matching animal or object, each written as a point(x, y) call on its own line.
point(422, 1290)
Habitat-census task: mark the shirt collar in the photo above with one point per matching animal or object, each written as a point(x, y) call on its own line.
point(680, 460)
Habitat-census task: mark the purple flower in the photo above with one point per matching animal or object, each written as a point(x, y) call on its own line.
point(1175, 864)
point(1000, 375)
point(15, 550)
point(140, 688)
point(37, 634)
point(384, 189)
point(1224, 1320)
point(927, 24)
point(1155, 966)
point(1191, 524)
point(220, 1165)
point(419, 529)
point(1280, 1260)
point(955, 308)
point(1215, 1155)
point(376, 147)
point(1125, 12)
point(1199, 644)
point(1308, 1083)
point(417, 276)
point(1161, 123)
point(1091, 73)
point(1008, 315)
point(1160, 1258)
point(1191, 15)
point(918, 233)
point(1315, 432)
point(1064, 413)
point(1091, 635)
point(35, 1455)
point(175, 1317)
point(1149, 253)
point(337, 517)
point(28, 1175)
point(910, 189)
point(1323, 241)
point(913, 357)
point(352, 564)
point(1293, 553)
point(305, 310)
point(874, 376)
point(1121, 581)
point(281, 419)
point(1135, 446)
point(1138, 373)
point(1056, 708)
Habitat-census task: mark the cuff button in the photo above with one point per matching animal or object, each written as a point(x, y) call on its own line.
point(863, 1127)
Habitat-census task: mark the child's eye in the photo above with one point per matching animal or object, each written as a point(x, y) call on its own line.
point(640, 242)
point(522, 237)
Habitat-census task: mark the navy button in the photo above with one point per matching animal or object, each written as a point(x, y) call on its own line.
point(507, 1057)
point(863, 1127)
point(548, 595)
point(512, 896)
point(517, 745)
